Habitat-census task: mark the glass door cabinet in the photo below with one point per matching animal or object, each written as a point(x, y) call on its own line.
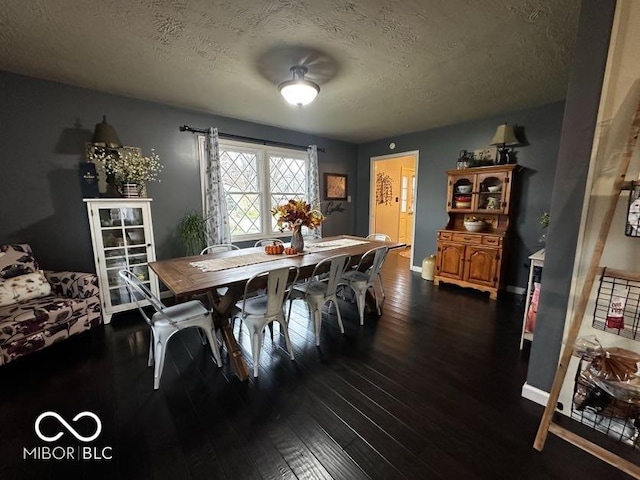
point(122, 237)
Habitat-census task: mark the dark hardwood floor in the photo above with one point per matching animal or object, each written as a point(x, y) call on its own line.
point(430, 389)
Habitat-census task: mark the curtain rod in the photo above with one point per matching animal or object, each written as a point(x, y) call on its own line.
point(230, 136)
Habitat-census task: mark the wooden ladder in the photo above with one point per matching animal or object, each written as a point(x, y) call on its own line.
point(630, 108)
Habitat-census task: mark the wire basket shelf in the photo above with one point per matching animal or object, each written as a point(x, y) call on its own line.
point(617, 306)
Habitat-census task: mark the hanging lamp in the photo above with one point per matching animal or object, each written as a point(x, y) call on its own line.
point(298, 91)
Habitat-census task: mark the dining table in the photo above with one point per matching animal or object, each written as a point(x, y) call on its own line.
point(230, 271)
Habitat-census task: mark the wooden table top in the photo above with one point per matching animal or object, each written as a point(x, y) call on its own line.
point(182, 278)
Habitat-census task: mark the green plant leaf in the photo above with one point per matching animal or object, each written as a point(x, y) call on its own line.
point(191, 231)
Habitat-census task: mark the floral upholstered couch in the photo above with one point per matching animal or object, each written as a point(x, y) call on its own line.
point(40, 308)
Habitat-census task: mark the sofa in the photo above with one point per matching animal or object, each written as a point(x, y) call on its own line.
point(39, 308)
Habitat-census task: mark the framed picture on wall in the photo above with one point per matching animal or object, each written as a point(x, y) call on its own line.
point(484, 157)
point(335, 186)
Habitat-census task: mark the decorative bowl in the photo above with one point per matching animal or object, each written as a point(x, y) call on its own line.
point(462, 204)
point(463, 188)
point(474, 226)
point(494, 188)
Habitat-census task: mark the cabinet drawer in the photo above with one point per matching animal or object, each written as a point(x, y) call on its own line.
point(445, 235)
point(467, 238)
point(490, 240)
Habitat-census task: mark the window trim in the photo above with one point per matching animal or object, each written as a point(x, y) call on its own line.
point(263, 154)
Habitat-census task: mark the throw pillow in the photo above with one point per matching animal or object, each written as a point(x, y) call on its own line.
point(16, 259)
point(23, 287)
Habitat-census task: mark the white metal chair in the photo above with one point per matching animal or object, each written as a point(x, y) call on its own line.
point(318, 292)
point(361, 281)
point(268, 241)
point(259, 311)
point(381, 237)
point(222, 247)
point(169, 320)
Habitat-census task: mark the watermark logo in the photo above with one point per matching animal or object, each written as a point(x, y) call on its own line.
point(67, 452)
point(69, 428)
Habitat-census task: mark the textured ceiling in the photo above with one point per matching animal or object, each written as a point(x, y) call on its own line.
point(384, 67)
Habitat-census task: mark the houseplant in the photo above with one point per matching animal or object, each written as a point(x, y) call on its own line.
point(130, 170)
point(544, 223)
point(294, 215)
point(191, 231)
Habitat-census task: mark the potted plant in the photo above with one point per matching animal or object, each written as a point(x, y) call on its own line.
point(191, 231)
point(130, 169)
point(544, 223)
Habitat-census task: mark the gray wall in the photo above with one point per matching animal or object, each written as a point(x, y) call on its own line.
point(439, 148)
point(44, 129)
point(583, 97)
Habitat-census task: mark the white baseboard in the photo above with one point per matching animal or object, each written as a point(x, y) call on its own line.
point(414, 268)
point(535, 394)
point(516, 290)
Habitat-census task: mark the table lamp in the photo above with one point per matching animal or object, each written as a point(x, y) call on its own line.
point(105, 134)
point(503, 138)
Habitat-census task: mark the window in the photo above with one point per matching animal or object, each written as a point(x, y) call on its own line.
point(256, 178)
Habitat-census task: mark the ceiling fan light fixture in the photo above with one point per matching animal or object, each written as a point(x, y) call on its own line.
point(298, 91)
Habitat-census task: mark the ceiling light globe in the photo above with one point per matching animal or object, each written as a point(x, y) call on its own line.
point(299, 92)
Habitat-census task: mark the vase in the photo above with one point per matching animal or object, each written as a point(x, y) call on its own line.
point(130, 190)
point(297, 241)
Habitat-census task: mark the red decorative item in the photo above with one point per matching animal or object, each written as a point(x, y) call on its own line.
point(533, 309)
point(615, 315)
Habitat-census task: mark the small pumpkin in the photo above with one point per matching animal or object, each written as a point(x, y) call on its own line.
point(274, 249)
point(290, 251)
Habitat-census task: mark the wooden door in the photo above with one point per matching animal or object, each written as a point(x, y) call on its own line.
point(405, 224)
point(481, 265)
point(450, 262)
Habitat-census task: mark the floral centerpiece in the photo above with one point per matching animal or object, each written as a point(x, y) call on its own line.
point(294, 215)
point(130, 169)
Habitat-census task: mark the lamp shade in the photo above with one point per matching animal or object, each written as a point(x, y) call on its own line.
point(504, 135)
point(106, 134)
point(299, 92)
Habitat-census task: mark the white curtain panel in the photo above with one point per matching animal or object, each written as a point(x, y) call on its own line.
point(314, 182)
point(217, 223)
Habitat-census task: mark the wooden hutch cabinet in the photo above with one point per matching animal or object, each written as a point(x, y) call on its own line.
point(474, 259)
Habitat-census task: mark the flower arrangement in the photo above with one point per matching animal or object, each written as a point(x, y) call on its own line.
point(296, 213)
point(129, 166)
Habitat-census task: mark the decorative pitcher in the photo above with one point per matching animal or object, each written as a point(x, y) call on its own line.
point(130, 190)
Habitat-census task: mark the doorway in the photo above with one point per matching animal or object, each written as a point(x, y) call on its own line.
point(407, 187)
point(393, 197)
